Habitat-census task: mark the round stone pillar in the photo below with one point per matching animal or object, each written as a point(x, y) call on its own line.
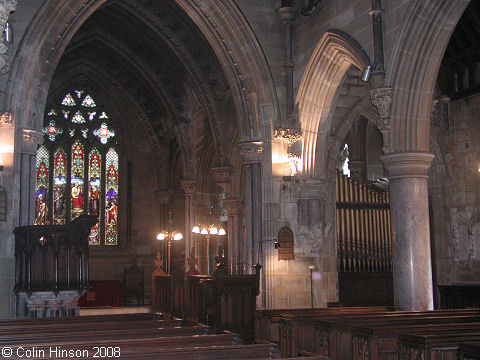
point(412, 269)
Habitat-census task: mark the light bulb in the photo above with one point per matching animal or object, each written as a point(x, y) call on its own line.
point(204, 231)
point(221, 231)
point(177, 236)
point(196, 230)
point(213, 230)
point(161, 236)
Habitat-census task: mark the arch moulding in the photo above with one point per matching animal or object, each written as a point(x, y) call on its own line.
point(318, 93)
point(413, 69)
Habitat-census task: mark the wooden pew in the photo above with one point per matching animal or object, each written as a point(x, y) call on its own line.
point(469, 351)
point(440, 346)
point(254, 351)
point(332, 335)
point(33, 337)
point(381, 343)
point(296, 330)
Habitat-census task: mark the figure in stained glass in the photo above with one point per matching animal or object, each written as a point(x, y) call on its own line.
point(112, 213)
point(40, 206)
point(77, 198)
point(93, 200)
point(59, 200)
point(77, 176)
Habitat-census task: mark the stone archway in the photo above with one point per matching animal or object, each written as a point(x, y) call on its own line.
point(404, 106)
point(334, 54)
point(51, 30)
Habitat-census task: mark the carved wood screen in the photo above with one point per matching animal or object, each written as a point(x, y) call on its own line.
point(364, 237)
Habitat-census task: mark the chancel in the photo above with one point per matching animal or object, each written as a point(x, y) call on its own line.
point(299, 176)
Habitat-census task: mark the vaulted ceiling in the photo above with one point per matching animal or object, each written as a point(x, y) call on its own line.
point(149, 62)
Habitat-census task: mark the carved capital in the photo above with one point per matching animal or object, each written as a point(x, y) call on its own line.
point(408, 164)
point(234, 207)
point(189, 186)
point(30, 140)
point(6, 118)
point(289, 135)
point(252, 152)
point(382, 99)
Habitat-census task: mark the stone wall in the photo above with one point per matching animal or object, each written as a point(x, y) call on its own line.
point(455, 192)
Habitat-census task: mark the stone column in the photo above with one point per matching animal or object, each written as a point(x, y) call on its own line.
point(223, 178)
point(189, 187)
point(163, 199)
point(235, 239)
point(252, 153)
point(412, 270)
point(30, 141)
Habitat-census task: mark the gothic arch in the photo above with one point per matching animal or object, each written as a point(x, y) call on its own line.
point(413, 68)
point(334, 54)
point(237, 51)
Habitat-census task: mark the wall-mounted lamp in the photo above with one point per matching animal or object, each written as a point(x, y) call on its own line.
point(276, 244)
point(367, 73)
point(8, 33)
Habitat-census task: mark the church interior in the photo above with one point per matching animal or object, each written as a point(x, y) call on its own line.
point(300, 176)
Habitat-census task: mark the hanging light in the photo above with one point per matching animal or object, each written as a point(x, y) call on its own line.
point(204, 231)
point(213, 230)
point(196, 230)
point(221, 231)
point(8, 33)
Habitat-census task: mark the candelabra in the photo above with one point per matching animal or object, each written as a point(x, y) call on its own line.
point(170, 235)
point(207, 231)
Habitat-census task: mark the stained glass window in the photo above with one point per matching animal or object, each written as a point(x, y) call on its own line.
point(68, 100)
point(94, 190)
point(111, 198)
point(59, 186)
point(78, 118)
point(88, 102)
point(77, 179)
point(75, 169)
point(104, 133)
point(52, 130)
point(41, 186)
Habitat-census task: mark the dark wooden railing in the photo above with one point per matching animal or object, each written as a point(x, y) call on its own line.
point(52, 257)
point(223, 301)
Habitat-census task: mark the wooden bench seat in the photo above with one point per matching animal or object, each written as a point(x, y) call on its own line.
point(441, 346)
point(469, 351)
point(66, 326)
point(33, 337)
point(254, 351)
point(133, 344)
point(382, 341)
point(267, 322)
point(332, 337)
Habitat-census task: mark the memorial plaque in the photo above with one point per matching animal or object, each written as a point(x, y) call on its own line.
point(286, 242)
point(3, 204)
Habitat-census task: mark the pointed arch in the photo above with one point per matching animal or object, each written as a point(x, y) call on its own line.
point(334, 54)
point(413, 68)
